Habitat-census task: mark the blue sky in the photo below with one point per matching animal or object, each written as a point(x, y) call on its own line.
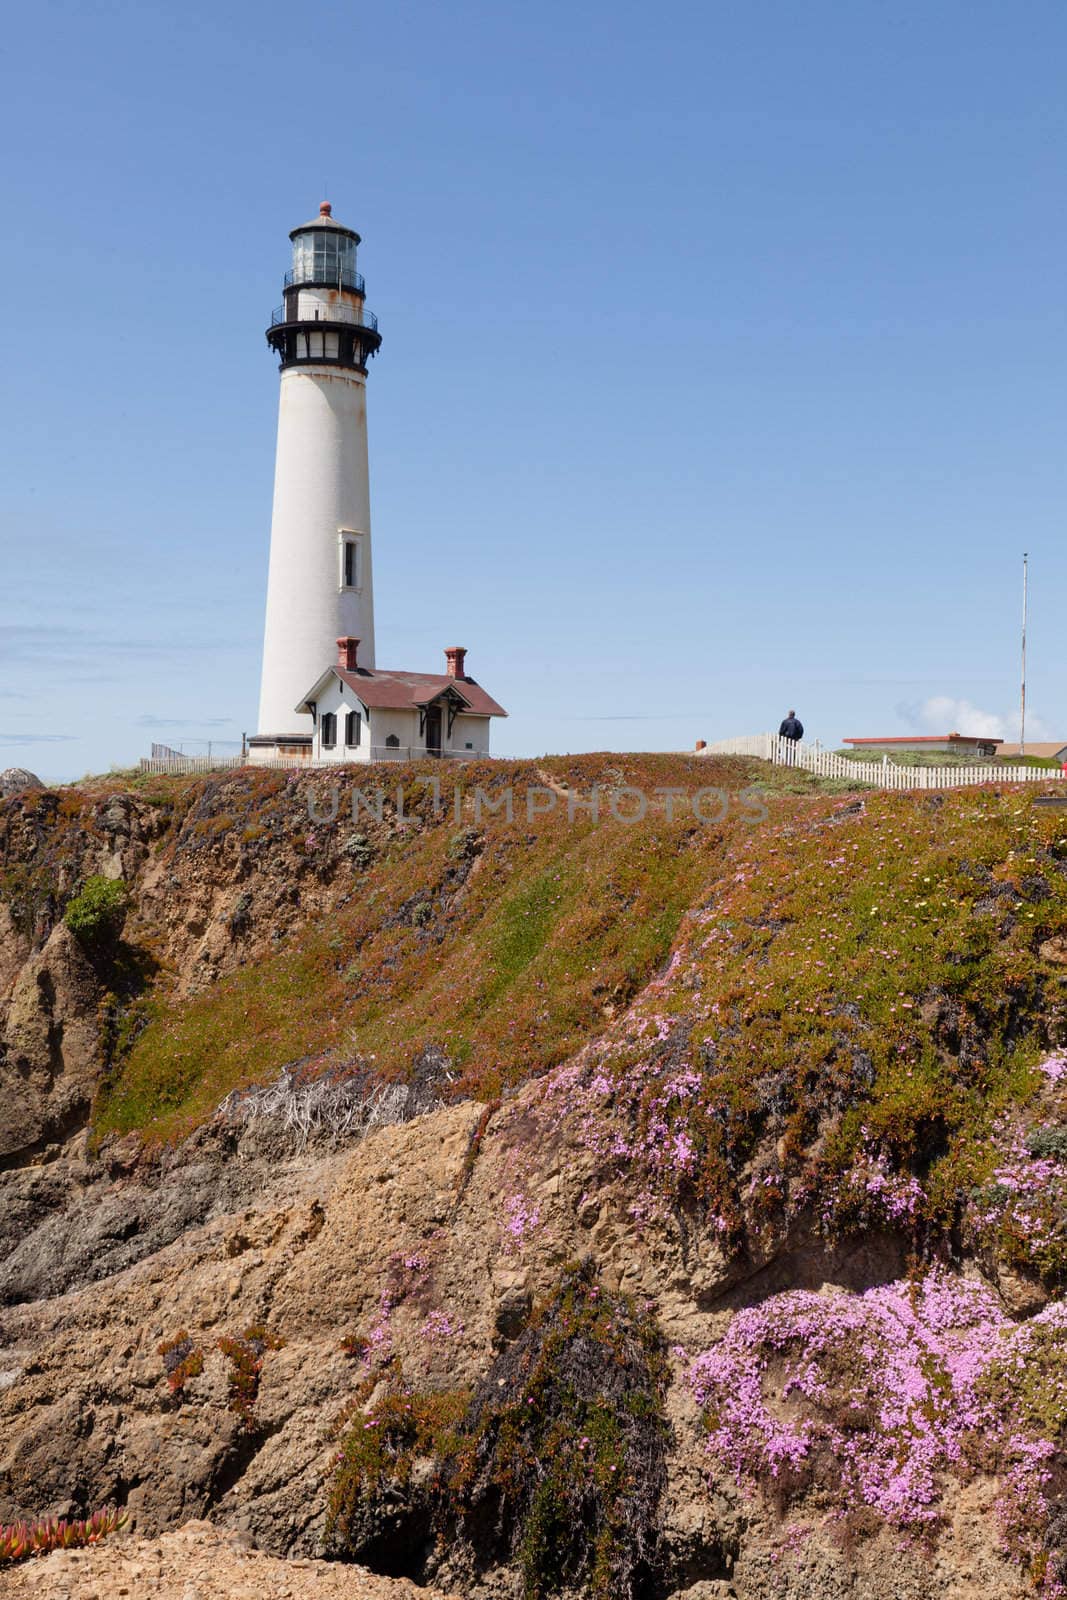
point(723, 362)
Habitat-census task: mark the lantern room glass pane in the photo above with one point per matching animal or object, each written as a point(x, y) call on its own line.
point(324, 256)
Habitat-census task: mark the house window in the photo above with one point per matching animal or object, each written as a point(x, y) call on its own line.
point(353, 728)
point(329, 729)
point(393, 742)
point(351, 561)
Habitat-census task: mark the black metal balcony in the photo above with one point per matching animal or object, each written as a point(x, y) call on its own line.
point(354, 319)
point(329, 337)
point(306, 277)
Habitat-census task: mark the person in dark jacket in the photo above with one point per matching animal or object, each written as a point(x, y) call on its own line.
point(792, 728)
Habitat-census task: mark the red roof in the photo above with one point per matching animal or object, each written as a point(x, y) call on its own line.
point(392, 691)
point(929, 738)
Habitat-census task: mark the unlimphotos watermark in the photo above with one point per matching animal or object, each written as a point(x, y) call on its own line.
point(623, 803)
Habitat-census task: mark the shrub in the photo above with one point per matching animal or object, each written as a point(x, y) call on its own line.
point(564, 1451)
point(377, 1456)
point(359, 850)
point(241, 915)
point(464, 844)
point(1048, 1143)
point(558, 1460)
point(96, 916)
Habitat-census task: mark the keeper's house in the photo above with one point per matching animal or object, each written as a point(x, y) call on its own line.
point(368, 714)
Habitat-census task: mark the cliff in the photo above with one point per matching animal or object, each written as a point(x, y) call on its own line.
point(648, 1203)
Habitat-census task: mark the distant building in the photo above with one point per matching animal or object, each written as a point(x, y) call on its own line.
point(1046, 750)
point(949, 744)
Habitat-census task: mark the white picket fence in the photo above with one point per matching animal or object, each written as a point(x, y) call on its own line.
point(882, 774)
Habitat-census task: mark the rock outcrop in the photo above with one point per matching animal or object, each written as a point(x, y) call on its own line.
point(16, 780)
point(200, 1562)
point(50, 1045)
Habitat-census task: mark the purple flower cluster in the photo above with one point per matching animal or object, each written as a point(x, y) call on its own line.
point(885, 1394)
point(871, 1194)
point(439, 1327)
point(633, 1112)
point(1020, 1213)
point(1055, 1068)
point(406, 1273)
point(521, 1218)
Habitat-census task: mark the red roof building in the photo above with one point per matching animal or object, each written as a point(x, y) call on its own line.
point(959, 744)
point(362, 714)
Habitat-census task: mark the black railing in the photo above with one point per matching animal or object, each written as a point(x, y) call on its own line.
point(356, 319)
point(347, 278)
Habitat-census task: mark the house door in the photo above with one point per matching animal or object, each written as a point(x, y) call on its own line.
point(433, 731)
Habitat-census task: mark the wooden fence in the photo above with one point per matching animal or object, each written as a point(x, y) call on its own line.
point(883, 774)
point(180, 765)
point(184, 764)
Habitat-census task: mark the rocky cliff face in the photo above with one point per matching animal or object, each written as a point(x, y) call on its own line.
point(747, 1283)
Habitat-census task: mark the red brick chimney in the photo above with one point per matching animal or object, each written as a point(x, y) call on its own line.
point(455, 655)
point(346, 654)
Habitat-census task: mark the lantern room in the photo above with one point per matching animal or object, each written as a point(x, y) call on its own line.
point(324, 253)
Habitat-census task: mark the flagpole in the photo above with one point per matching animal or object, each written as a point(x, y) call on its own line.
point(1022, 701)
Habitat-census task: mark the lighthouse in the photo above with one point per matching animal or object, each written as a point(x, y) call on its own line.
point(320, 582)
point(323, 700)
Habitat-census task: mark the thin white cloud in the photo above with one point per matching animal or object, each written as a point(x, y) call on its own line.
point(37, 738)
point(943, 713)
point(34, 643)
point(147, 720)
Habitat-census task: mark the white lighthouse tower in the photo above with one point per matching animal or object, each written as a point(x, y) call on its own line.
point(319, 586)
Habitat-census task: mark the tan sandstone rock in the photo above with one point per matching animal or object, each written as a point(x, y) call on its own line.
point(197, 1562)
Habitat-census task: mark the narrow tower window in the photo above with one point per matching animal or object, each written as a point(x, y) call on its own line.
point(351, 563)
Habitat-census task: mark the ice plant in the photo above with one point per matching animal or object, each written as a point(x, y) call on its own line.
point(842, 1018)
point(182, 1360)
point(1020, 1213)
point(870, 1194)
point(880, 1398)
point(18, 1540)
point(246, 1356)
